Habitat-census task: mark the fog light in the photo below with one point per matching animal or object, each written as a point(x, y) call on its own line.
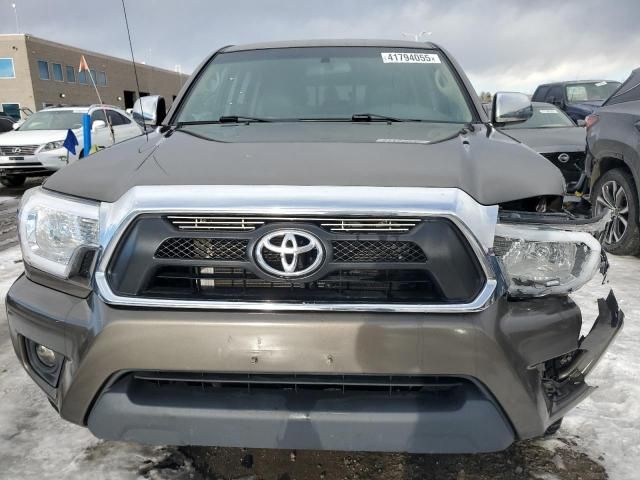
point(44, 361)
point(46, 356)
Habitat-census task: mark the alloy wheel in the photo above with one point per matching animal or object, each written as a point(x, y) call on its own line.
point(613, 197)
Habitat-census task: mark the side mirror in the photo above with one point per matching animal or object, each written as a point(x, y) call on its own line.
point(149, 110)
point(582, 123)
point(510, 107)
point(97, 125)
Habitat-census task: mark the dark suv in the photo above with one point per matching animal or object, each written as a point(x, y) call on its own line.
point(577, 98)
point(325, 244)
point(613, 161)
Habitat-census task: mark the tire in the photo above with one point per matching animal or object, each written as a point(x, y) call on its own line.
point(615, 191)
point(553, 428)
point(13, 180)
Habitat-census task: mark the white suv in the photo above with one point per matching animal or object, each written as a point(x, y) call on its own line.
point(35, 148)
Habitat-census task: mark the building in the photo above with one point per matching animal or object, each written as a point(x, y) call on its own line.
point(37, 73)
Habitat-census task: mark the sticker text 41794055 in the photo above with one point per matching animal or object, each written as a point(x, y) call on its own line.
point(405, 57)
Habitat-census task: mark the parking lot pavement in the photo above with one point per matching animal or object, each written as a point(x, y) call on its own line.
point(600, 434)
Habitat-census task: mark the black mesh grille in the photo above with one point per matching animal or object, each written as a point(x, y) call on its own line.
point(365, 251)
point(230, 249)
point(299, 383)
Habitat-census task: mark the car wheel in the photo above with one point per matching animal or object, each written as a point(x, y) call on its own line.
point(13, 180)
point(553, 428)
point(614, 191)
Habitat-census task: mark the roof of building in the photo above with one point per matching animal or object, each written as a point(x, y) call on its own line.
point(91, 53)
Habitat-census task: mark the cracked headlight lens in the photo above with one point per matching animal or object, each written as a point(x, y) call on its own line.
point(53, 227)
point(541, 261)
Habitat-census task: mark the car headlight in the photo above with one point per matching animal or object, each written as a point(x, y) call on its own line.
point(52, 228)
point(541, 261)
point(52, 146)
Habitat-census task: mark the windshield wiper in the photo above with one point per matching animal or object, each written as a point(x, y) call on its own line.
point(369, 117)
point(241, 119)
point(225, 119)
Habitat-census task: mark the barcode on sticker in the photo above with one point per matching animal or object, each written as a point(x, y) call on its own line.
point(404, 57)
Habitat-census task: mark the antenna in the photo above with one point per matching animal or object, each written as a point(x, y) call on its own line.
point(135, 70)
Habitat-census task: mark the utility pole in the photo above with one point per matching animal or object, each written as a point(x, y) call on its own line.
point(15, 13)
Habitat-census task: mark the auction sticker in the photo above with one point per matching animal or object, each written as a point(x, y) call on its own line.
point(404, 57)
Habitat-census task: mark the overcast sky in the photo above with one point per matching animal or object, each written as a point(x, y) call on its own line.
point(502, 45)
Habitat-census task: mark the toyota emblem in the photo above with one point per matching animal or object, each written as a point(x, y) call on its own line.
point(17, 150)
point(289, 253)
point(563, 157)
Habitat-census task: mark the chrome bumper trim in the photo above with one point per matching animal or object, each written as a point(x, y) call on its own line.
point(477, 222)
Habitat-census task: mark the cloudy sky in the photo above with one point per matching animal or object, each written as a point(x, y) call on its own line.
point(502, 44)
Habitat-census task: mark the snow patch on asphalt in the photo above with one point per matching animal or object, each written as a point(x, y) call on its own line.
point(35, 443)
point(606, 425)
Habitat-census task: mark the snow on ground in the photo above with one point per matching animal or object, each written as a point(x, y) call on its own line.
point(607, 424)
point(36, 444)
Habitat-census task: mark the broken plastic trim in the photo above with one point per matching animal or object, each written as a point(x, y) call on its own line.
point(560, 221)
point(569, 386)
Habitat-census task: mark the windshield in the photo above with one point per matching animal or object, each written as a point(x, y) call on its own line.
point(544, 116)
point(53, 120)
point(590, 91)
point(327, 83)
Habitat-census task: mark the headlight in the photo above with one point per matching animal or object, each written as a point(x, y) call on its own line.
point(53, 227)
point(542, 261)
point(52, 146)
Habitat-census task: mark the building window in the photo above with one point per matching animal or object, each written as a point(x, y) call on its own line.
point(57, 72)
point(43, 68)
point(7, 69)
point(93, 75)
point(71, 74)
point(11, 110)
point(102, 79)
point(83, 77)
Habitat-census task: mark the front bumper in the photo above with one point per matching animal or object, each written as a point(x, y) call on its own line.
point(503, 353)
point(41, 163)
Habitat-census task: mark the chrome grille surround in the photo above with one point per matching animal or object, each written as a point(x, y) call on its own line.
point(475, 221)
point(25, 150)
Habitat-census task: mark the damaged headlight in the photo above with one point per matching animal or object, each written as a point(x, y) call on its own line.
point(53, 228)
point(541, 261)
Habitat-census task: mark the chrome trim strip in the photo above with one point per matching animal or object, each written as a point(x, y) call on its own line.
point(477, 222)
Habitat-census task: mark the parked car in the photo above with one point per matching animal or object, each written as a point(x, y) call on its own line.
point(613, 163)
point(577, 98)
point(551, 133)
point(35, 148)
point(6, 123)
point(325, 244)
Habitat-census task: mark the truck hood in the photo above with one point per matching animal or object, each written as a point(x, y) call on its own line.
point(551, 140)
point(485, 163)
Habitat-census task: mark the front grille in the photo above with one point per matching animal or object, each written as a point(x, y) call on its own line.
point(574, 157)
point(432, 263)
point(224, 249)
point(9, 150)
point(248, 224)
point(366, 251)
point(301, 383)
point(344, 251)
point(345, 285)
